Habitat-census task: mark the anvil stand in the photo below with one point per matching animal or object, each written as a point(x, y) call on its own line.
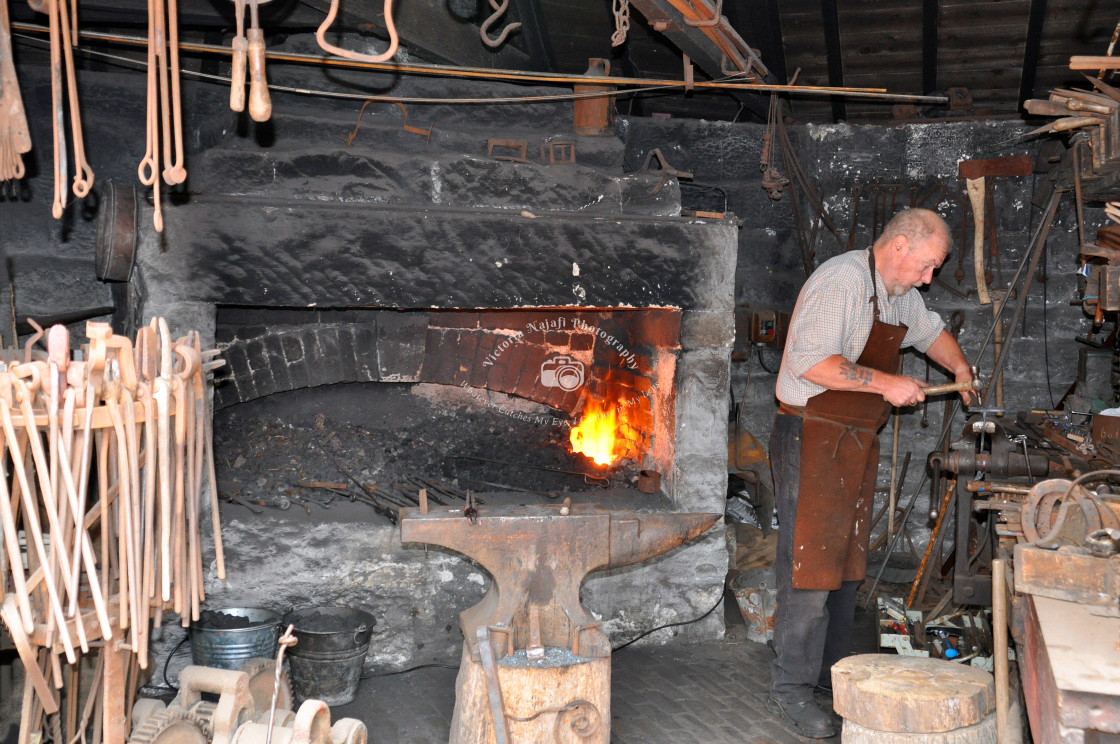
point(536, 664)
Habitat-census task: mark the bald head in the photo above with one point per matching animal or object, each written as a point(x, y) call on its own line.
point(913, 244)
point(917, 226)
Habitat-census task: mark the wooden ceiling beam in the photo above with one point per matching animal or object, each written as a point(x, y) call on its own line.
point(712, 48)
point(831, 20)
point(534, 32)
point(929, 46)
point(1031, 50)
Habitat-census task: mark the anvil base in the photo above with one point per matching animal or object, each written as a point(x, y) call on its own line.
point(569, 700)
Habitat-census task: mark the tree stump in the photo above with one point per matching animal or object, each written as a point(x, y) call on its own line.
point(879, 695)
point(562, 698)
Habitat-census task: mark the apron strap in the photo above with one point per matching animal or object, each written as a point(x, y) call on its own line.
point(874, 287)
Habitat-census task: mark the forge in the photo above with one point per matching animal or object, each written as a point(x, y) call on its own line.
point(509, 341)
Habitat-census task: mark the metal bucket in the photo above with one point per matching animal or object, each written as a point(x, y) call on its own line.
point(327, 664)
point(229, 648)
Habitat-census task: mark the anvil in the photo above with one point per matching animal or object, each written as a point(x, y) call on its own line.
point(539, 556)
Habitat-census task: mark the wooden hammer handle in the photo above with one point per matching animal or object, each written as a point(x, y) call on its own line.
point(954, 387)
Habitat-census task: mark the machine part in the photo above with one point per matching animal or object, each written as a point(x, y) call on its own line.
point(1103, 543)
point(261, 672)
point(115, 250)
point(349, 731)
point(235, 704)
point(1052, 518)
point(145, 707)
point(171, 726)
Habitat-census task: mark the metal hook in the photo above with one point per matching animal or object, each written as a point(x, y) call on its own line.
point(717, 16)
point(483, 31)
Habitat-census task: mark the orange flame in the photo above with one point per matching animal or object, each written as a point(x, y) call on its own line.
point(597, 432)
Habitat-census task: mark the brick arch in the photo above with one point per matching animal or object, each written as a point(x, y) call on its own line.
point(623, 354)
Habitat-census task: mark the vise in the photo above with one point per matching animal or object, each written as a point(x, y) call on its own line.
point(535, 661)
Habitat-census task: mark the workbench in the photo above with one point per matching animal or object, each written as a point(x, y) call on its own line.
point(1070, 668)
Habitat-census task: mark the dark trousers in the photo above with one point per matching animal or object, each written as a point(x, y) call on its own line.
point(812, 629)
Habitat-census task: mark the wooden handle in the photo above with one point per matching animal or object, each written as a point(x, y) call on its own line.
point(976, 196)
point(260, 107)
point(953, 387)
point(237, 74)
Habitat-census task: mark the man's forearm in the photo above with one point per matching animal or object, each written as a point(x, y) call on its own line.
point(946, 352)
point(837, 373)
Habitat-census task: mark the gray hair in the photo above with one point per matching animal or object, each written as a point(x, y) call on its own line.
point(917, 225)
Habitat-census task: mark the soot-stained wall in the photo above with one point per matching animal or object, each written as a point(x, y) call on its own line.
point(1042, 363)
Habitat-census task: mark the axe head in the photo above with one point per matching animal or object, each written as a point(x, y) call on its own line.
point(1017, 165)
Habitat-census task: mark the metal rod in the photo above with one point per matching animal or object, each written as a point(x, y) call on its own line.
point(495, 74)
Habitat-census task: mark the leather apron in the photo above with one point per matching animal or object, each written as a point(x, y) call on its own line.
point(839, 464)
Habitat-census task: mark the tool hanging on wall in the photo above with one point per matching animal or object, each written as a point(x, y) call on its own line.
point(64, 83)
point(249, 49)
point(164, 121)
point(15, 137)
point(772, 180)
point(975, 172)
point(332, 13)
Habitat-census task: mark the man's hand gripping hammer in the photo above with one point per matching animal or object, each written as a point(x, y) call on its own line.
point(956, 387)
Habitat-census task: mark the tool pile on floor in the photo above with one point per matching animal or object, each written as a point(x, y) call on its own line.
point(106, 449)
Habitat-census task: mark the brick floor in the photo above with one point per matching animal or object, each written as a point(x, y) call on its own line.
point(711, 693)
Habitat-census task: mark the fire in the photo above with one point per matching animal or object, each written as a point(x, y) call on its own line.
point(597, 432)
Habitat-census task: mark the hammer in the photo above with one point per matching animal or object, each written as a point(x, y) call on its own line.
point(956, 387)
point(974, 172)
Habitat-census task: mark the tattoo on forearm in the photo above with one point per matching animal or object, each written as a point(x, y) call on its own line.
point(853, 371)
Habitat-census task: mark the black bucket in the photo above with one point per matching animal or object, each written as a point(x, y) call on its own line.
point(227, 643)
point(326, 663)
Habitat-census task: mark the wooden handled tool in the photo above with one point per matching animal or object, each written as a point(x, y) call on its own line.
point(974, 172)
point(260, 105)
point(953, 387)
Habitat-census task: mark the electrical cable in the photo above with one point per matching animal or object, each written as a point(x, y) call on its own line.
point(433, 665)
point(614, 649)
point(167, 661)
point(670, 625)
point(770, 371)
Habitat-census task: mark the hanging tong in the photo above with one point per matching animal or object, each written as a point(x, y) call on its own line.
point(15, 137)
point(332, 13)
point(249, 49)
point(164, 111)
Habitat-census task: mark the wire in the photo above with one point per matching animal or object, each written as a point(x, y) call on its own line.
point(671, 625)
point(167, 661)
point(771, 371)
point(411, 669)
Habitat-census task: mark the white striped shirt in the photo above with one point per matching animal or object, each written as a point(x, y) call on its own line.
point(833, 315)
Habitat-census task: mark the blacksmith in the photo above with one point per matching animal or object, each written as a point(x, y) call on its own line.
point(836, 386)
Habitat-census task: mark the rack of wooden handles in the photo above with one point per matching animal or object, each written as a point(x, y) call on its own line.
point(103, 458)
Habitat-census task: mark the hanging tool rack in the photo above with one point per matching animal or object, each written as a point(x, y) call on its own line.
point(100, 510)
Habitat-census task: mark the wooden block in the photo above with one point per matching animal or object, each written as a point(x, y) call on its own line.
point(910, 694)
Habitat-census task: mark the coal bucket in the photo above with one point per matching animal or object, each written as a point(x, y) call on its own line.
point(227, 638)
point(326, 662)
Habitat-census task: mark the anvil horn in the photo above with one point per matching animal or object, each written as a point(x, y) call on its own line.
point(638, 537)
